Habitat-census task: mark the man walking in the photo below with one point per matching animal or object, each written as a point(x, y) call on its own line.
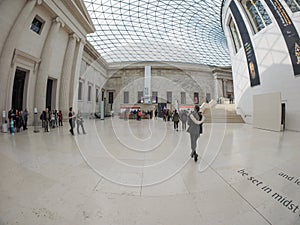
point(79, 120)
point(71, 120)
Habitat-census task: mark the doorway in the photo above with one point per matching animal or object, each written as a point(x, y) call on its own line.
point(18, 90)
point(283, 110)
point(161, 107)
point(51, 94)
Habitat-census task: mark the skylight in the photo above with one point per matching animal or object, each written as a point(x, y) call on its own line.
point(170, 31)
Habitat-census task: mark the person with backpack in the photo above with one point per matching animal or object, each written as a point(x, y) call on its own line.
point(176, 120)
point(195, 121)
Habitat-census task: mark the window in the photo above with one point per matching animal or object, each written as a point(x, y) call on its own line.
point(182, 98)
point(126, 97)
point(294, 5)
point(196, 98)
point(154, 97)
point(37, 25)
point(140, 97)
point(256, 14)
point(234, 35)
point(169, 97)
point(97, 95)
point(208, 97)
point(80, 90)
point(90, 93)
point(110, 97)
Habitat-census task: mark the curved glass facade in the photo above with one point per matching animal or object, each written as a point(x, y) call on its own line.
point(147, 30)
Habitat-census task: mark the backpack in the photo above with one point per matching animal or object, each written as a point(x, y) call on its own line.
point(176, 117)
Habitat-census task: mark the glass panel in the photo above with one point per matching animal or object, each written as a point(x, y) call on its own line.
point(196, 98)
point(294, 5)
point(256, 20)
point(177, 31)
point(37, 25)
point(97, 95)
point(256, 13)
point(89, 93)
point(263, 13)
point(234, 35)
point(126, 97)
point(140, 97)
point(80, 91)
point(183, 98)
point(110, 97)
point(169, 97)
point(154, 97)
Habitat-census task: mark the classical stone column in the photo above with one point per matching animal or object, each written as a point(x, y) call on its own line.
point(67, 75)
point(8, 51)
point(224, 88)
point(216, 88)
point(75, 77)
point(42, 77)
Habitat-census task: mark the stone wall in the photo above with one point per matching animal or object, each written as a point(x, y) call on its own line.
point(38, 55)
point(175, 78)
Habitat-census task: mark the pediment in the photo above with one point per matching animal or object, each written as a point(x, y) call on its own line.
point(81, 6)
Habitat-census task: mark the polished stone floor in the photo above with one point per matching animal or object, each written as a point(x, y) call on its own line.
point(140, 172)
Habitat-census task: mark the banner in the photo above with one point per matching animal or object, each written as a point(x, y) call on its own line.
point(289, 32)
point(147, 85)
point(248, 47)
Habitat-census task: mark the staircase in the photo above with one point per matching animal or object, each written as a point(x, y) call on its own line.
point(222, 113)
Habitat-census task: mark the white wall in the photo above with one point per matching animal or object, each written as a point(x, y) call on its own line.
point(9, 11)
point(267, 111)
point(91, 73)
point(274, 65)
point(29, 37)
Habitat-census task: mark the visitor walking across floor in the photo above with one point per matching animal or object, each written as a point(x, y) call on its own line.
point(195, 127)
point(183, 118)
point(79, 120)
point(176, 120)
point(72, 118)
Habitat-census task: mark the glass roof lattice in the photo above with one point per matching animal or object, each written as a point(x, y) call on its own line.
point(171, 31)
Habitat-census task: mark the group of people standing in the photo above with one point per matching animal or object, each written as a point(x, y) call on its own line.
point(17, 120)
point(51, 119)
point(176, 117)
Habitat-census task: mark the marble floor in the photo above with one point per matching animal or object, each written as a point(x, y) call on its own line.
point(140, 172)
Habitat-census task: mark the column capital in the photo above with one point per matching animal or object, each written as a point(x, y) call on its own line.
point(74, 36)
point(83, 41)
point(39, 2)
point(59, 20)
